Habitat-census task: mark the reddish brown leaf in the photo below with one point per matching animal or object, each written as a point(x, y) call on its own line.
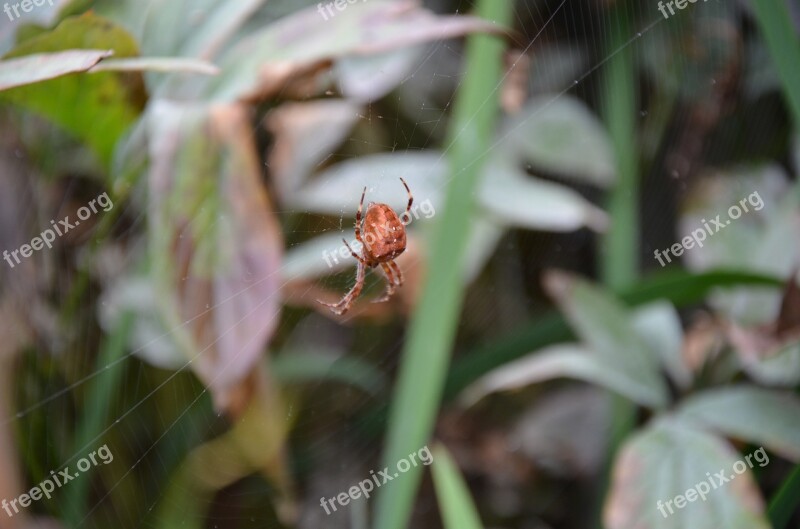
point(216, 244)
point(305, 41)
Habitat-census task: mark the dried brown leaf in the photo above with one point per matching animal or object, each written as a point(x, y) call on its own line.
point(216, 243)
point(305, 41)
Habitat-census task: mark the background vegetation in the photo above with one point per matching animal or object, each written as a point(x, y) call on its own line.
point(560, 375)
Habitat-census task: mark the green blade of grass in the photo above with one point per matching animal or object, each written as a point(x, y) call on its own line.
point(433, 326)
point(99, 399)
point(783, 503)
point(620, 246)
point(455, 503)
point(775, 23)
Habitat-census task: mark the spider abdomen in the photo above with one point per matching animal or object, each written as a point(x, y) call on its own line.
point(384, 234)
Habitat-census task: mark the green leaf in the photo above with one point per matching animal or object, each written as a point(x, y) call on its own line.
point(455, 504)
point(668, 459)
point(605, 327)
point(659, 326)
point(522, 201)
point(760, 416)
point(677, 286)
point(43, 66)
point(550, 131)
point(573, 361)
point(356, 75)
point(96, 108)
point(333, 190)
point(316, 257)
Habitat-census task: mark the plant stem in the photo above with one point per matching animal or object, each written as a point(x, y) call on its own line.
point(783, 43)
point(99, 398)
point(433, 326)
point(620, 248)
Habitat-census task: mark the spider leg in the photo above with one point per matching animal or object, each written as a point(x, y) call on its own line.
point(390, 286)
point(344, 305)
point(359, 259)
point(397, 273)
point(358, 216)
point(410, 199)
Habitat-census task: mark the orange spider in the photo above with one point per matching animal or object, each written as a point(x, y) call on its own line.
point(384, 239)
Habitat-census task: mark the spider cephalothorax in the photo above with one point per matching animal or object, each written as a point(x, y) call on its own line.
point(384, 239)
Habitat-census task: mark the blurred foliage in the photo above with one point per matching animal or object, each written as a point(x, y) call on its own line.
point(182, 329)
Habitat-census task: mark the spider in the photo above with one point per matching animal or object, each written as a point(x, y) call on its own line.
point(384, 240)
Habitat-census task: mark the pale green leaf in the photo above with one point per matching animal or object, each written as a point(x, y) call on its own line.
point(455, 503)
point(666, 460)
point(570, 361)
point(606, 327)
point(659, 326)
point(760, 416)
point(337, 190)
point(43, 66)
point(559, 134)
point(523, 201)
